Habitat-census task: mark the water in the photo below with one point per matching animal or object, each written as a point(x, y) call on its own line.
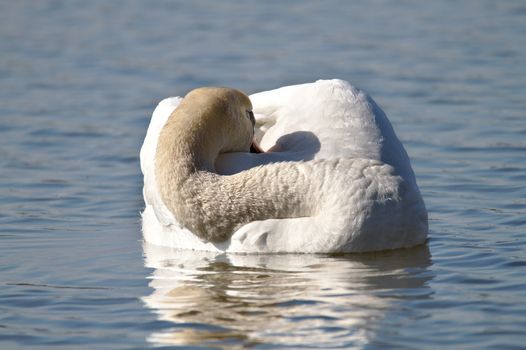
point(78, 83)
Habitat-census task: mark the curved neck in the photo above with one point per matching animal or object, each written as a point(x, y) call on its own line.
point(213, 206)
point(184, 144)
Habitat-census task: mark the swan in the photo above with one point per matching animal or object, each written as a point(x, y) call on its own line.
point(334, 177)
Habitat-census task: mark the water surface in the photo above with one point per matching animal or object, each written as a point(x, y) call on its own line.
point(79, 81)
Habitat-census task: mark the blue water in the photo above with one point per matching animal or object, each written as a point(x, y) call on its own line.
point(78, 82)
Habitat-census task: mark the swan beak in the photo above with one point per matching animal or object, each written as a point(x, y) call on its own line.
point(254, 147)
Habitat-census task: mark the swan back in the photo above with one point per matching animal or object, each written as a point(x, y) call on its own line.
point(347, 122)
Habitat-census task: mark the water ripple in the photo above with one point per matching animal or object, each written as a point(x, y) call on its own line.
point(80, 80)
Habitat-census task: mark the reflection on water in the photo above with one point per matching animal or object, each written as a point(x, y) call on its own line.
point(235, 301)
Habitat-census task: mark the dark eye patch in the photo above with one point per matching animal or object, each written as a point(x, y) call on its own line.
point(250, 116)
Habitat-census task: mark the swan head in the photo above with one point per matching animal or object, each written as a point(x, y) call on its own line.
point(225, 115)
point(209, 121)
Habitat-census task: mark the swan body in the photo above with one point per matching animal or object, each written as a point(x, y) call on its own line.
point(335, 178)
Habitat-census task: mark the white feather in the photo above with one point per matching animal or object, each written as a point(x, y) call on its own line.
point(374, 205)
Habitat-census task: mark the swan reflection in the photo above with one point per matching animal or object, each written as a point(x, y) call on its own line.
point(238, 301)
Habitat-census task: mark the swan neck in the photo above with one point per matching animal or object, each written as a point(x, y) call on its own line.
point(213, 206)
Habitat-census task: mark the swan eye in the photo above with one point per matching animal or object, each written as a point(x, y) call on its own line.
point(250, 115)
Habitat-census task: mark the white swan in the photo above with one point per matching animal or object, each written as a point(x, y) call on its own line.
point(337, 178)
